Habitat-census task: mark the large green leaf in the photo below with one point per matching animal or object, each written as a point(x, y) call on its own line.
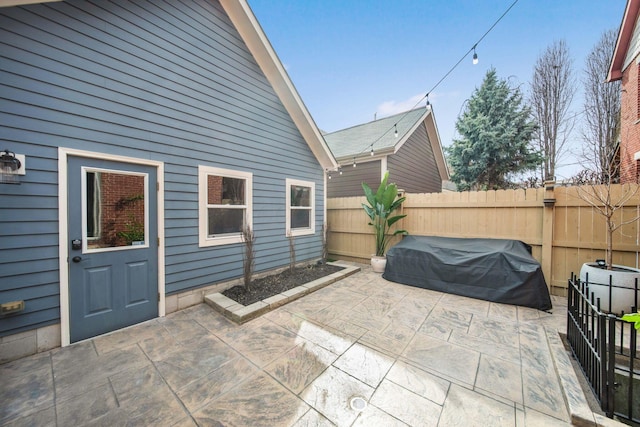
point(394, 219)
point(370, 212)
point(381, 205)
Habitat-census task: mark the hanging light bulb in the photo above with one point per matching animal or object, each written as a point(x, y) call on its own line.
point(372, 149)
point(354, 162)
point(428, 103)
point(329, 175)
point(395, 132)
point(340, 170)
point(475, 56)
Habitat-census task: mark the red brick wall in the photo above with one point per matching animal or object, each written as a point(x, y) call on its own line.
point(629, 124)
point(214, 189)
point(122, 203)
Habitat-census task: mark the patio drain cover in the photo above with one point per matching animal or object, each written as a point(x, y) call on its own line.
point(358, 404)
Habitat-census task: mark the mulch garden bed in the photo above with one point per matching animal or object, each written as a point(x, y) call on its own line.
point(268, 286)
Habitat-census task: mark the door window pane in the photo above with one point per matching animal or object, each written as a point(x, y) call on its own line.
point(115, 210)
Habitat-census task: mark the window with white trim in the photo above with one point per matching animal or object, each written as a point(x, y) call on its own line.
point(224, 205)
point(300, 199)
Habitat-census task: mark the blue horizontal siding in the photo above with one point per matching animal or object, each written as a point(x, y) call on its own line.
point(36, 279)
point(43, 290)
point(170, 81)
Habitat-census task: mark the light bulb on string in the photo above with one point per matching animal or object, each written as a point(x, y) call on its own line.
point(395, 132)
point(354, 162)
point(428, 103)
point(372, 149)
point(475, 56)
point(340, 170)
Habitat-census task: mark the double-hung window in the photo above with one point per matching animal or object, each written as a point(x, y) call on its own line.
point(300, 199)
point(225, 205)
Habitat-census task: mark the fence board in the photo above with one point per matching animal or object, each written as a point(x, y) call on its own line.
point(578, 233)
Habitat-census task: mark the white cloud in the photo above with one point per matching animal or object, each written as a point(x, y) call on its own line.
point(389, 108)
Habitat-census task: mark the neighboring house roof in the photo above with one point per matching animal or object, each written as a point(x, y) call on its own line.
point(627, 46)
point(247, 25)
point(357, 141)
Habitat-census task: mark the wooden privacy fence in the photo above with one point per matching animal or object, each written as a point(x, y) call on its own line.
point(563, 230)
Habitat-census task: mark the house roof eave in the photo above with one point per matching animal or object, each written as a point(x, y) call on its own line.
point(407, 135)
point(365, 156)
point(254, 37)
point(625, 34)
point(436, 145)
point(8, 3)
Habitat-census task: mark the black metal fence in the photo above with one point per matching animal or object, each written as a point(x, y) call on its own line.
point(606, 348)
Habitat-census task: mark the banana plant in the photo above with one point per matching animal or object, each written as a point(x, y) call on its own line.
point(381, 205)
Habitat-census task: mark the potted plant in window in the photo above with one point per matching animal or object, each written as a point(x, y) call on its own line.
point(381, 205)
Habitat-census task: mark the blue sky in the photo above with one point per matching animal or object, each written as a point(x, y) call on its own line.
point(351, 59)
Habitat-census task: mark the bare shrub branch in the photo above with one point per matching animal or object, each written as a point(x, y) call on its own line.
point(325, 242)
point(248, 255)
point(292, 253)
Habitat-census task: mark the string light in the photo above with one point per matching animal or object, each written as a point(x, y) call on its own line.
point(340, 170)
point(372, 149)
point(475, 61)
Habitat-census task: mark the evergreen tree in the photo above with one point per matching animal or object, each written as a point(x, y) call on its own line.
point(496, 130)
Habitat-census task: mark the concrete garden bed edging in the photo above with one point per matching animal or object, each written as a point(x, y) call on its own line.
point(240, 313)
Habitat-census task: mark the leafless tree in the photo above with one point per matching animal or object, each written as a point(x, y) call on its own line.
point(598, 183)
point(551, 92)
point(601, 111)
point(608, 200)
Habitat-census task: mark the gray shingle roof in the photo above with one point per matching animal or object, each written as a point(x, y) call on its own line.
point(358, 139)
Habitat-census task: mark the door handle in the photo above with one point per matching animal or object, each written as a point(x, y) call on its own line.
point(76, 258)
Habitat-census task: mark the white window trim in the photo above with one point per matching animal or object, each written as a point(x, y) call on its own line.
point(300, 231)
point(203, 172)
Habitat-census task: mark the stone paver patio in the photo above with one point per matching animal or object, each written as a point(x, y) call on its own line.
point(416, 357)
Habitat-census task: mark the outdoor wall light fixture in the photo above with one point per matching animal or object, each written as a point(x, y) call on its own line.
point(475, 56)
point(11, 167)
